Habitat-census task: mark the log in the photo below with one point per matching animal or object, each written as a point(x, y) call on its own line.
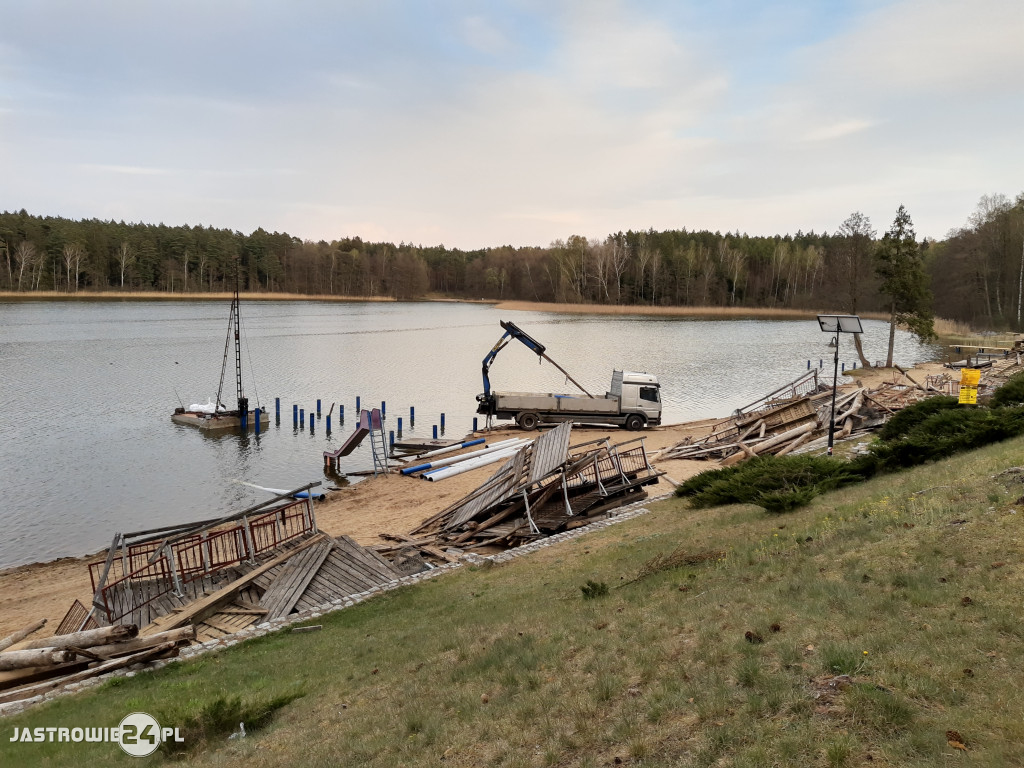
point(177, 636)
point(21, 634)
point(39, 657)
point(795, 444)
point(785, 437)
point(108, 666)
point(87, 638)
point(910, 378)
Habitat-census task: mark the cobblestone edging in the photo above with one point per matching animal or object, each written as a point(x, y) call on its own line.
point(619, 515)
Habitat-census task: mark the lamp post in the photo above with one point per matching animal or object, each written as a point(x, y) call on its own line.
point(837, 324)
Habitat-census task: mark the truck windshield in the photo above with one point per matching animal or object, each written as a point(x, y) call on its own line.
point(649, 393)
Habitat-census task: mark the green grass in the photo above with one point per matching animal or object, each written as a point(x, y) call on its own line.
point(511, 665)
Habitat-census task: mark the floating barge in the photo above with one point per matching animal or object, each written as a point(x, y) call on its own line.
point(210, 422)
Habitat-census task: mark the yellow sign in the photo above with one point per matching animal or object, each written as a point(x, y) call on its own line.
point(969, 377)
point(968, 395)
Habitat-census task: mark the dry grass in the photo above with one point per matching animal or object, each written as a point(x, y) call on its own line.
point(713, 313)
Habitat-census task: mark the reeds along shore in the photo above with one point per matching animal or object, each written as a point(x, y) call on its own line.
point(944, 328)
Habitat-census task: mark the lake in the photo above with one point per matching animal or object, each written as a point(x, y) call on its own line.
point(87, 447)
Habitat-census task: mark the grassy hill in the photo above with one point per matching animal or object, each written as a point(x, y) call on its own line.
point(880, 625)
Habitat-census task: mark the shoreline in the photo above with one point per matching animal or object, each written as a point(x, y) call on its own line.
point(389, 504)
point(696, 312)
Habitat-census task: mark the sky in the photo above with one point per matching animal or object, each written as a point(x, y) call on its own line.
point(512, 122)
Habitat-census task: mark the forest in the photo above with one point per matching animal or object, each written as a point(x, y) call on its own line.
point(976, 275)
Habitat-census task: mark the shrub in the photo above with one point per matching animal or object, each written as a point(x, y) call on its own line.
point(946, 432)
point(778, 483)
point(593, 589)
point(908, 418)
point(1011, 393)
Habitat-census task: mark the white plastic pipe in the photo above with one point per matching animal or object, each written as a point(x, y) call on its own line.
point(439, 451)
point(471, 464)
point(450, 449)
point(463, 456)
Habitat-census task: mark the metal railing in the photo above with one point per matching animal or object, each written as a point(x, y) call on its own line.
point(163, 561)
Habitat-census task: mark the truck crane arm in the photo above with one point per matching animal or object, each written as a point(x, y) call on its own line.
point(512, 331)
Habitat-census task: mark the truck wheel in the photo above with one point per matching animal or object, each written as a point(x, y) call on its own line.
point(528, 421)
point(634, 422)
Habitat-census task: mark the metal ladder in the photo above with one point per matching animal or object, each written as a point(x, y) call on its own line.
point(378, 444)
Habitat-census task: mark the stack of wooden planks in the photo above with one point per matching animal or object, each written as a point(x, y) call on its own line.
point(29, 668)
point(547, 487)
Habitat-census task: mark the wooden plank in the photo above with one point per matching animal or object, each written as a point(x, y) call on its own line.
point(357, 572)
point(385, 572)
point(336, 579)
point(280, 589)
point(279, 600)
point(207, 605)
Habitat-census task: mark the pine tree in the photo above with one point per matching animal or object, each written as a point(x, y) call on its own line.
point(899, 264)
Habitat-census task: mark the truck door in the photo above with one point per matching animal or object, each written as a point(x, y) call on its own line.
point(650, 402)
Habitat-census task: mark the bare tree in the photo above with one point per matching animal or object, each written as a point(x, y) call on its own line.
point(24, 254)
point(855, 253)
point(72, 255)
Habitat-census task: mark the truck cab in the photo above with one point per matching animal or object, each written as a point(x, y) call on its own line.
point(638, 393)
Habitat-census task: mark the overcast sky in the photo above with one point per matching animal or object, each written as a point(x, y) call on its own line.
point(515, 122)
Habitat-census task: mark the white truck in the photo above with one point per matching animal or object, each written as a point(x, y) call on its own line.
point(633, 401)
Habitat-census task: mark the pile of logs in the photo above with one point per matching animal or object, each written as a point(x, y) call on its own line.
point(30, 668)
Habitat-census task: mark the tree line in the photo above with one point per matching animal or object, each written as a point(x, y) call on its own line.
point(976, 274)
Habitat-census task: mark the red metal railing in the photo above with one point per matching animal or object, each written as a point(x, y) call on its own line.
point(149, 570)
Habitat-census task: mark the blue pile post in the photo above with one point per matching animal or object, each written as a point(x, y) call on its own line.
point(843, 369)
point(341, 414)
point(383, 409)
point(435, 431)
point(302, 418)
point(328, 425)
point(357, 404)
point(245, 420)
point(474, 424)
point(442, 423)
point(808, 365)
point(412, 415)
point(318, 407)
point(295, 415)
point(391, 438)
point(277, 409)
point(256, 413)
point(399, 425)
point(312, 419)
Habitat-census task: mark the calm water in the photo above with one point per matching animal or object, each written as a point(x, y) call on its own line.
point(87, 447)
